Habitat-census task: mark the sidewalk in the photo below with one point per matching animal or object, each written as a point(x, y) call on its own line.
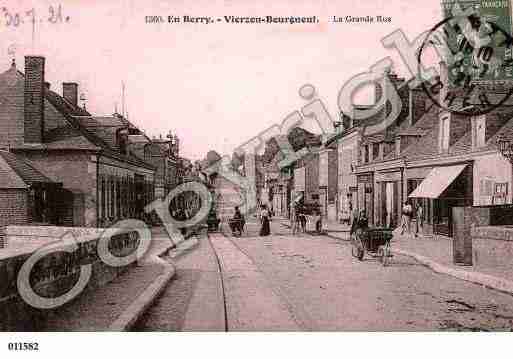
point(117, 305)
point(435, 252)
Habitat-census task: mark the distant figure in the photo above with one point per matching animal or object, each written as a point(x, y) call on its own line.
point(302, 218)
point(354, 216)
point(419, 215)
point(265, 229)
point(318, 221)
point(237, 214)
point(241, 218)
point(294, 221)
point(346, 213)
point(406, 216)
point(237, 225)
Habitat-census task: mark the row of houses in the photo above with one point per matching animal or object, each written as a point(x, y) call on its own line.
point(428, 156)
point(61, 165)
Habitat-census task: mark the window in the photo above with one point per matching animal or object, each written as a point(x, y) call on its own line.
point(102, 205)
point(375, 151)
point(112, 197)
point(365, 154)
point(500, 193)
point(478, 131)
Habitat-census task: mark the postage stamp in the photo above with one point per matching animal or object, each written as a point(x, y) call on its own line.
point(474, 44)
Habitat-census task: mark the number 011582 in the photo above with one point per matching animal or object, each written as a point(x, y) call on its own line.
point(18, 346)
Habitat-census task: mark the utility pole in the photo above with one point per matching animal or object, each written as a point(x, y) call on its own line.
point(123, 98)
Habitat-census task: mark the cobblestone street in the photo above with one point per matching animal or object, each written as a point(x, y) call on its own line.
point(307, 282)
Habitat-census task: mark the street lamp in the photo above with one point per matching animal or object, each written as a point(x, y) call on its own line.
point(505, 146)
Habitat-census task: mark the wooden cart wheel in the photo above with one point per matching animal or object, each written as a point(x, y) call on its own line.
point(381, 255)
point(384, 255)
point(357, 249)
point(361, 253)
point(354, 251)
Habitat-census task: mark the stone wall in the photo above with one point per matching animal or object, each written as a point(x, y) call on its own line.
point(54, 274)
point(492, 247)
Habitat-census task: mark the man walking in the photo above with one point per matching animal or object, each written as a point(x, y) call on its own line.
point(407, 213)
point(419, 214)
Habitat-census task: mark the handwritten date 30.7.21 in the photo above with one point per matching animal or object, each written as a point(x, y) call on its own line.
point(53, 15)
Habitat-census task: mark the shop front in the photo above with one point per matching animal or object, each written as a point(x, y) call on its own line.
point(365, 184)
point(388, 198)
point(442, 189)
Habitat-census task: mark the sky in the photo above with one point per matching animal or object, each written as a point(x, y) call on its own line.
point(215, 85)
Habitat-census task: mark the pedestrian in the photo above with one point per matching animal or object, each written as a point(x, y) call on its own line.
point(318, 221)
point(359, 222)
point(265, 229)
point(294, 223)
point(237, 222)
point(354, 216)
point(302, 218)
point(407, 213)
point(419, 215)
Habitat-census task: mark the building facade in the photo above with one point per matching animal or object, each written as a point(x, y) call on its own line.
point(101, 180)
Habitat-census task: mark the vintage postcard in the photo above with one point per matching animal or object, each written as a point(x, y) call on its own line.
point(241, 166)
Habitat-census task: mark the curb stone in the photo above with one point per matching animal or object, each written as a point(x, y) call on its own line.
point(140, 305)
point(180, 250)
point(143, 302)
point(486, 280)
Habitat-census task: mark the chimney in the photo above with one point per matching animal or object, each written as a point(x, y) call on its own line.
point(70, 92)
point(34, 99)
point(444, 80)
point(378, 91)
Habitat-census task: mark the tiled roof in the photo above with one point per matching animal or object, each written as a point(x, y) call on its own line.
point(506, 130)
point(107, 148)
point(65, 104)
point(463, 144)
point(427, 144)
point(71, 136)
point(497, 122)
point(67, 137)
point(298, 138)
point(16, 172)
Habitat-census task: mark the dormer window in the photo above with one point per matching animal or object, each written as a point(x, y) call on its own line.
point(375, 152)
point(478, 131)
point(443, 133)
point(398, 146)
point(122, 142)
point(123, 145)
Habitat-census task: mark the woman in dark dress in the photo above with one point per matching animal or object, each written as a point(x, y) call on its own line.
point(362, 222)
point(265, 230)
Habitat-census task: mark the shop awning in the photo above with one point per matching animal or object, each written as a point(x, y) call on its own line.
point(437, 181)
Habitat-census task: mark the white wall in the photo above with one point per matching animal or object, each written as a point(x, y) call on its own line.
point(492, 168)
